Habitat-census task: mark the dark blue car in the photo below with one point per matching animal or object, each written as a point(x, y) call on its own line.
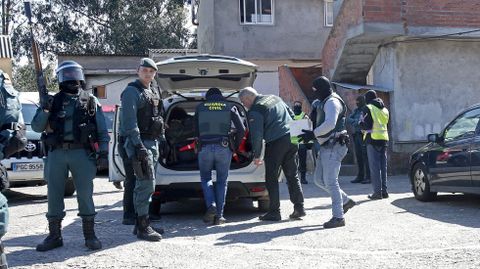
point(450, 162)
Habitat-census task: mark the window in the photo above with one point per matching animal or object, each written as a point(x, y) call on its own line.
point(256, 11)
point(463, 126)
point(100, 92)
point(328, 12)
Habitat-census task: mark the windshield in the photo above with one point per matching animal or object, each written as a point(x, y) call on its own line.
point(28, 111)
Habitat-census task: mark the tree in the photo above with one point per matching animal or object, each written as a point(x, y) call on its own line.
point(101, 26)
point(25, 80)
point(93, 26)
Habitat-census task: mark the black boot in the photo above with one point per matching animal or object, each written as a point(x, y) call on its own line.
point(91, 241)
point(158, 230)
point(54, 238)
point(298, 212)
point(144, 231)
point(3, 257)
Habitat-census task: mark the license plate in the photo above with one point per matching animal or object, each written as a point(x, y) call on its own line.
point(18, 167)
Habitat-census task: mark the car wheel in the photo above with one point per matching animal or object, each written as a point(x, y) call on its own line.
point(69, 188)
point(263, 205)
point(421, 184)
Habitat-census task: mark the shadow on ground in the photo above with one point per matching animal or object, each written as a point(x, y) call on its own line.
point(449, 208)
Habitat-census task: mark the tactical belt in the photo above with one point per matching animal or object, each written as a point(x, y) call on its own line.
point(217, 140)
point(67, 145)
point(12, 126)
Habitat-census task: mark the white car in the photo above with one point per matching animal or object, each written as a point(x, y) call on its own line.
point(184, 81)
point(25, 168)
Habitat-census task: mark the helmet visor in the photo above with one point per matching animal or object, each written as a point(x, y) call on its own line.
point(70, 73)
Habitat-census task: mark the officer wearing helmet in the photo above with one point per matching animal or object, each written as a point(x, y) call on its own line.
point(71, 121)
point(12, 140)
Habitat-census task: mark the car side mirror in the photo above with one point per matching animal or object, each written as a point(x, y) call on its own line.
point(435, 138)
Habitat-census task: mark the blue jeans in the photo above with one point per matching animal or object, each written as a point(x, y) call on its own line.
point(329, 160)
point(210, 157)
point(377, 160)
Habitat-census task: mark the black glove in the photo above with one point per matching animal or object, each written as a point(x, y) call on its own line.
point(307, 136)
point(4, 182)
point(102, 161)
point(141, 153)
point(163, 148)
point(46, 102)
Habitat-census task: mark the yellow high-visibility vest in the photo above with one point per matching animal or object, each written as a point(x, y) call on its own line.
point(380, 119)
point(300, 116)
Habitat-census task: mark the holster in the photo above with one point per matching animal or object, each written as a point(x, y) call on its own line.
point(137, 168)
point(143, 169)
point(344, 139)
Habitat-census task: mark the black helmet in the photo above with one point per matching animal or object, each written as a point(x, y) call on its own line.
point(70, 71)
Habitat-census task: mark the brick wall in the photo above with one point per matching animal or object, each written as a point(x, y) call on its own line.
point(411, 13)
point(441, 13)
point(350, 14)
point(290, 90)
point(305, 77)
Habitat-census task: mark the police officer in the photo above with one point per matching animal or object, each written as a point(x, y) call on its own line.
point(213, 120)
point(141, 127)
point(332, 136)
point(12, 140)
point(72, 121)
point(363, 175)
point(269, 119)
point(374, 121)
point(302, 147)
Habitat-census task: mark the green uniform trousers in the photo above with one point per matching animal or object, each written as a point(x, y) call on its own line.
point(83, 169)
point(144, 187)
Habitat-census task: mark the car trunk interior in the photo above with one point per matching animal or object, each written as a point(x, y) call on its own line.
point(180, 135)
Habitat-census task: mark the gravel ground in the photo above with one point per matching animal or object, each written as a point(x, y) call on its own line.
point(398, 232)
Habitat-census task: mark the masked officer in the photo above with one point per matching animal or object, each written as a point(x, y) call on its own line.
point(72, 121)
point(363, 175)
point(141, 127)
point(332, 136)
point(12, 140)
point(269, 119)
point(214, 118)
point(302, 147)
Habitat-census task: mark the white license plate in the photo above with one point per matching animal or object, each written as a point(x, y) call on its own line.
point(18, 167)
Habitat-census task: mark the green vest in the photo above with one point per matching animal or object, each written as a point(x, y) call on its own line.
point(295, 139)
point(340, 125)
point(380, 119)
point(214, 119)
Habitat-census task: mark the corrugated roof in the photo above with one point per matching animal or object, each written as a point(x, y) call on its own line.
point(5, 47)
point(361, 87)
point(102, 54)
point(174, 51)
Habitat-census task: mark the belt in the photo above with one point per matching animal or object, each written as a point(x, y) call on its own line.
point(219, 140)
point(67, 145)
point(12, 126)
